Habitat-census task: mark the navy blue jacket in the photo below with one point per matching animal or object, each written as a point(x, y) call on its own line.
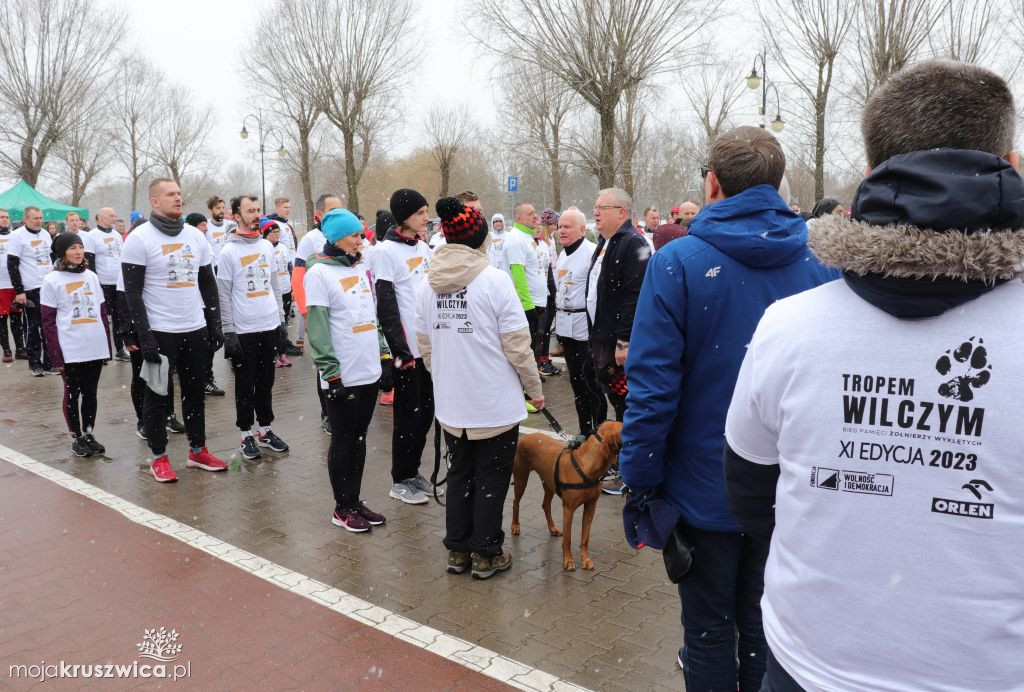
point(701, 300)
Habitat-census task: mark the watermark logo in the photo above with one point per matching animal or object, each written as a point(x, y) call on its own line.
point(159, 645)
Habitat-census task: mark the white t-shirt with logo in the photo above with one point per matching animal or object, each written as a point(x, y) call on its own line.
point(33, 249)
point(897, 560)
point(171, 291)
point(345, 292)
point(250, 268)
point(288, 239)
point(475, 386)
point(592, 279)
point(5, 245)
point(310, 244)
point(77, 298)
point(281, 259)
point(519, 248)
point(217, 236)
point(570, 292)
point(496, 252)
point(107, 247)
point(406, 267)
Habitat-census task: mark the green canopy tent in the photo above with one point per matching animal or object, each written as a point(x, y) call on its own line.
point(24, 195)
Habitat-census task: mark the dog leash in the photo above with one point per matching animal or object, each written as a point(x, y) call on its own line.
point(556, 426)
point(437, 462)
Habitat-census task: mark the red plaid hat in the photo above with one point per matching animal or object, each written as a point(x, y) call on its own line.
point(461, 224)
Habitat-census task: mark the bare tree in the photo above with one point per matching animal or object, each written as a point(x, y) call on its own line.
point(805, 38)
point(541, 127)
point(136, 85)
point(611, 50)
point(629, 131)
point(85, 151)
point(890, 34)
point(180, 134)
point(345, 55)
point(968, 31)
point(447, 130)
point(713, 95)
point(45, 69)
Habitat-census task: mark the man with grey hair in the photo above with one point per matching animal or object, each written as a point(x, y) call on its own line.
point(923, 344)
point(107, 243)
point(28, 263)
point(571, 324)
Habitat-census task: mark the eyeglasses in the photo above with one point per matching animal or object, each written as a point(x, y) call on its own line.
point(607, 206)
point(704, 170)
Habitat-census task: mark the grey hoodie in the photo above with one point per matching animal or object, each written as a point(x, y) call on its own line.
point(225, 287)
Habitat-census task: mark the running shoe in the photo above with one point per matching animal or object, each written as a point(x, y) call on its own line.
point(549, 368)
point(530, 408)
point(38, 372)
point(140, 430)
point(161, 469)
point(211, 389)
point(278, 363)
point(424, 486)
point(325, 425)
point(174, 425)
point(387, 398)
point(122, 356)
point(94, 446)
point(369, 515)
point(283, 359)
point(272, 441)
point(79, 447)
point(350, 520)
point(613, 485)
point(408, 493)
point(51, 371)
point(21, 354)
point(205, 461)
point(8, 357)
point(250, 450)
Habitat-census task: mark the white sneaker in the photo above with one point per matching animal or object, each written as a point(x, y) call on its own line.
point(408, 493)
point(424, 486)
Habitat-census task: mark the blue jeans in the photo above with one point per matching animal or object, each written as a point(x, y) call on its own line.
point(721, 598)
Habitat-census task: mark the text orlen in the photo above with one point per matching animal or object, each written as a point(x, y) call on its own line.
point(49, 671)
point(864, 407)
point(959, 508)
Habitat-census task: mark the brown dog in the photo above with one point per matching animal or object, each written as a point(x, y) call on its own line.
point(539, 452)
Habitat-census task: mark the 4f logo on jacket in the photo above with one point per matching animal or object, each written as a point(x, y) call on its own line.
point(713, 272)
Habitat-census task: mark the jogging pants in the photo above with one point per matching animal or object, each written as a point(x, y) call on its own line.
point(187, 352)
point(414, 416)
point(591, 406)
point(81, 381)
point(15, 321)
point(138, 388)
point(604, 357)
point(478, 481)
point(110, 298)
point(254, 378)
point(350, 415)
point(34, 339)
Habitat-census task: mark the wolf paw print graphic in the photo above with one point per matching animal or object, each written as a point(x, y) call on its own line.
point(967, 367)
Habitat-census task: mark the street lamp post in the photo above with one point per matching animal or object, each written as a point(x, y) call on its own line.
point(754, 80)
point(262, 132)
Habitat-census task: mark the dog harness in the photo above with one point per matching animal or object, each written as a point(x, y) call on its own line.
point(588, 482)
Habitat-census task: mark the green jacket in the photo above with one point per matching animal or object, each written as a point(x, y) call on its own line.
point(318, 326)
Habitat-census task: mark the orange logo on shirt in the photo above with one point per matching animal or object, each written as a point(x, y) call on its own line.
point(348, 283)
point(108, 240)
point(73, 286)
point(249, 259)
point(171, 247)
point(413, 262)
point(36, 242)
point(562, 273)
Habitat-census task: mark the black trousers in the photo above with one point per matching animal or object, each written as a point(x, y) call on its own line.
point(34, 340)
point(533, 321)
point(16, 320)
point(604, 358)
point(350, 414)
point(547, 320)
point(414, 416)
point(286, 303)
point(138, 388)
point(320, 394)
point(591, 406)
point(110, 298)
point(254, 378)
point(540, 338)
point(188, 353)
point(776, 679)
point(478, 481)
point(81, 380)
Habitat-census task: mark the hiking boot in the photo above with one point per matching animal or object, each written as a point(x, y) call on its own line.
point(272, 441)
point(161, 469)
point(174, 425)
point(325, 425)
point(249, 448)
point(387, 398)
point(205, 461)
point(458, 562)
point(79, 447)
point(613, 484)
point(21, 354)
point(350, 520)
point(122, 356)
point(8, 357)
point(94, 446)
point(140, 430)
point(549, 368)
point(211, 389)
point(408, 493)
point(424, 486)
point(486, 566)
point(369, 515)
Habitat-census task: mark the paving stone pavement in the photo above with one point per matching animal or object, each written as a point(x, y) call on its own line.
point(613, 628)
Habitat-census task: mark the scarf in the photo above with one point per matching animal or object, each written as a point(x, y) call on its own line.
point(569, 249)
point(332, 251)
point(171, 227)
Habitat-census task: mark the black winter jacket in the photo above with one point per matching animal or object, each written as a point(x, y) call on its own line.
point(622, 274)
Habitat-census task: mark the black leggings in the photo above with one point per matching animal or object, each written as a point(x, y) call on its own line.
point(350, 415)
point(17, 331)
point(110, 299)
point(81, 381)
point(187, 352)
point(591, 406)
point(34, 339)
point(254, 378)
point(414, 416)
point(286, 303)
point(478, 482)
point(138, 388)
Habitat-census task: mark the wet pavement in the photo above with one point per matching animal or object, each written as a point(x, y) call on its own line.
point(616, 627)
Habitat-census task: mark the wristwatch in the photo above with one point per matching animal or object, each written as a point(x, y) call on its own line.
point(621, 345)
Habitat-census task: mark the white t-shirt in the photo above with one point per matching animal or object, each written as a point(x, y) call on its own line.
point(519, 248)
point(218, 235)
point(77, 298)
point(281, 259)
point(171, 292)
point(250, 268)
point(288, 239)
point(496, 252)
point(310, 244)
point(437, 240)
point(87, 241)
point(34, 251)
point(108, 254)
point(896, 562)
point(570, 292)
point(345, 292)
point(474, 384)
point(406, 267)
point(592, 279)
point(5, 244)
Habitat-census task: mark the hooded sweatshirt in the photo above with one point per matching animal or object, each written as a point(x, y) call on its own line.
point(703, 294)
point(470, 328)
point(495, 251)
point(250, 293)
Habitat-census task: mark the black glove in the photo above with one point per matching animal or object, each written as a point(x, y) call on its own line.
point(232, 346)
point(216, 338)
point(150, 354)
point(333, 389)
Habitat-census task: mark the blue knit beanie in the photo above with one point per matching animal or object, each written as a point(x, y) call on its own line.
point(339, 223)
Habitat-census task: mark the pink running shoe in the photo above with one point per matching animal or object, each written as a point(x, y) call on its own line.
point(205, 461)
point(161, 469)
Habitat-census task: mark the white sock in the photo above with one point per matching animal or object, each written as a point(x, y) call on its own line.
point(264, 429)
point(245, 434)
